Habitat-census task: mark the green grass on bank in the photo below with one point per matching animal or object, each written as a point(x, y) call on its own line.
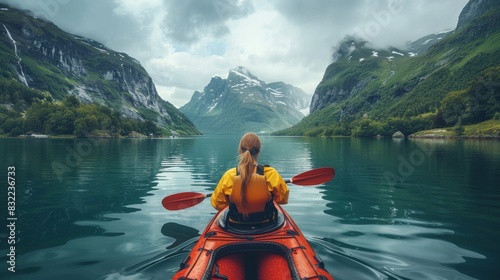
point(490, 128)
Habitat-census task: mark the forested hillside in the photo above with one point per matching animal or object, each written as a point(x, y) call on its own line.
point(41, 114)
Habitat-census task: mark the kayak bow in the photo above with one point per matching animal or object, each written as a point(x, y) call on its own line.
point(276, 250)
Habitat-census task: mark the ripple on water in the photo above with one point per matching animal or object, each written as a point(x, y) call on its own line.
point(408, 249)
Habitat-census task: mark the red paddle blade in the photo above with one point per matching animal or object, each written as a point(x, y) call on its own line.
point(314, 177)
point(182, 200)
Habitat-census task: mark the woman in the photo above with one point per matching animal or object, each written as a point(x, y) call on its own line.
point(250, 188)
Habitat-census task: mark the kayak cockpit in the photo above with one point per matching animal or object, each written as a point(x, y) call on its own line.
point(256, 260)
point(253, 228)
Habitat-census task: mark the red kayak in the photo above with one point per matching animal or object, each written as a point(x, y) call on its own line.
point(276, 250)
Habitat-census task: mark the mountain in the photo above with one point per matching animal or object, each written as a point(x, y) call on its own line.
point(367, 91)
point(474, 10)
point(421, 45)
point(244, 103)
point(44, 58)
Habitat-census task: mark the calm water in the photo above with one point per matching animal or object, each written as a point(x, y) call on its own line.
point(411, 209)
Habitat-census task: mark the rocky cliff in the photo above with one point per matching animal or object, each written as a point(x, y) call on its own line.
point(41, 56)
point(474, 10)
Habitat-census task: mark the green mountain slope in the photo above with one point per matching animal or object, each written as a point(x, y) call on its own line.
point(366, 91)
point(52, 63)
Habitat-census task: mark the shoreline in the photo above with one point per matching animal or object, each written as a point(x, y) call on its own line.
point(465, 137)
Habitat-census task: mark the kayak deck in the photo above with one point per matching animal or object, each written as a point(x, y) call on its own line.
point(278, 251)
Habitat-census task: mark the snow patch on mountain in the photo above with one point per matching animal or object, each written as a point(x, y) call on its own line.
point(248, 81)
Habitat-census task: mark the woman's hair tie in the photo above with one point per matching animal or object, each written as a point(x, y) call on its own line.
point(253, 151)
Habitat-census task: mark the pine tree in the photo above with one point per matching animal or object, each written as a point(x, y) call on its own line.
point(459, 129)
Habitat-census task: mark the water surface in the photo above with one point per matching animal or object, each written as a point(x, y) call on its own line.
point(396, 209)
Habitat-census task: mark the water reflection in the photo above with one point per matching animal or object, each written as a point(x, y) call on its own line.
point(418, 228)
point(101, 183)
point(180, 233)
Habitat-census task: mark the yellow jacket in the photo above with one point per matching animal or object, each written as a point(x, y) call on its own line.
point(275, 185)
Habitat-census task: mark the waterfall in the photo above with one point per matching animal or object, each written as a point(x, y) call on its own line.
point(124, 78)
point(21, 76)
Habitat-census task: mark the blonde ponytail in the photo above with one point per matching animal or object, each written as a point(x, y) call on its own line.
point(248, 153)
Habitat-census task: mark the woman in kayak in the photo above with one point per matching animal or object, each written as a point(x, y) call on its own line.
point(250, 188)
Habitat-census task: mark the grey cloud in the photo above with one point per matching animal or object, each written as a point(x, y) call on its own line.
point(314, 11)
point(383, 22)
point(93, 19)
point(189, 20)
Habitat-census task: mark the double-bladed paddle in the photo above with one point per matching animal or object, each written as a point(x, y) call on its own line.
point(185, 200)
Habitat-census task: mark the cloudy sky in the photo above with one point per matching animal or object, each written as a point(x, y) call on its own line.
point(183, 43)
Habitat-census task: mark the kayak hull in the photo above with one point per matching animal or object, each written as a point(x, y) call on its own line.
point(275, 251)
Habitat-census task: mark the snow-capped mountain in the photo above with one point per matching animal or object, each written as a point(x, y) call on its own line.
point(242, 102)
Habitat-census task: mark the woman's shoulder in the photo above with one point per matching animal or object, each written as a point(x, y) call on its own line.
point(269, 169)
point(230, 172)
point(228, 175)
point(272, 175)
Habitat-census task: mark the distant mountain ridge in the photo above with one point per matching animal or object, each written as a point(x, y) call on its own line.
point(453, 78)
point(43, 57)
point(242, 102)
